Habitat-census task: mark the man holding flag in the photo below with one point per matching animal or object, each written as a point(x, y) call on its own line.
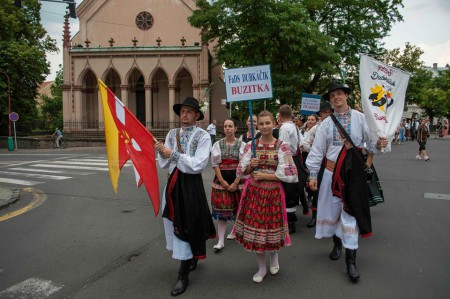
point(336, 216)
point(187, 219)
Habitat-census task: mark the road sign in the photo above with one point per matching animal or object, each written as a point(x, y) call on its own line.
point(13, 116)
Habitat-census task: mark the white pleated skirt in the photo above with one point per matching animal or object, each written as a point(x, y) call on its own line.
point(332, 219)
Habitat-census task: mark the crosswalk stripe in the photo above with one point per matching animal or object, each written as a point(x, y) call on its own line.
point(32, 288)
point(78, 163)
point(70, 167)
point(71, 172)
point(35, 175)
point(19, 182)
point(91, 160)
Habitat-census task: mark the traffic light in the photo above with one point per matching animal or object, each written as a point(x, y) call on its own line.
point(71, 7)
point(227, 105)
point(18, 3)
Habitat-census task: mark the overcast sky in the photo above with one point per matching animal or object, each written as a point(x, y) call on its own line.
point(425, 24)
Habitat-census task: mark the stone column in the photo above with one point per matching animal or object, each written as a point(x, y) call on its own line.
point(101, 121)
point(148, 105)
point(124, 94)
point(171, 102)
point(76, 103)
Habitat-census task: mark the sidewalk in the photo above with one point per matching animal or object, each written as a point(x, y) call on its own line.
point(8, 196)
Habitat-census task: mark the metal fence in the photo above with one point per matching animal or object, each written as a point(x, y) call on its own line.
point(78, 129)
point(96, 130)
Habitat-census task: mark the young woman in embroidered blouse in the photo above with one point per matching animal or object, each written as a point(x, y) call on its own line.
point(226, 187)
point(261, 224)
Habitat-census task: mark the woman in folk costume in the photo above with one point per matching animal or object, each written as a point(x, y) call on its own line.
point(261, 224)
point(226, 187)
point(247, 136)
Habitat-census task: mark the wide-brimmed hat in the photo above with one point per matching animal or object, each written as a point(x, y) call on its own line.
point(191, 102)
point(335, 86)
point(325, 106)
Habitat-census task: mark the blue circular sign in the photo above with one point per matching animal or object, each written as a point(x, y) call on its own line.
point(13, 116)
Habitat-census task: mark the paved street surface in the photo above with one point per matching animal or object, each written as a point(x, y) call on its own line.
point(71, 236)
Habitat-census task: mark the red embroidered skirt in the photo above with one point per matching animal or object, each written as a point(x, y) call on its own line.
point(260, 224)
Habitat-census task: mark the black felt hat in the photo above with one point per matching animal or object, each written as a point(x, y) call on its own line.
point(335, 86)
point(191, 102)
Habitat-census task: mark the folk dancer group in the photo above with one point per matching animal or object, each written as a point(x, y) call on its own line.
point(260, 188)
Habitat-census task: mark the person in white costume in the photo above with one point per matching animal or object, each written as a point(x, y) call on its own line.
point(332, 220)
point(187, 219)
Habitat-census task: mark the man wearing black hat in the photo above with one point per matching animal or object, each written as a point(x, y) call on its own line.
point(334, 219)
point(306, 144)
point(187, 219)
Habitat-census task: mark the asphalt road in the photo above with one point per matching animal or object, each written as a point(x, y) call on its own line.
point(87, 242)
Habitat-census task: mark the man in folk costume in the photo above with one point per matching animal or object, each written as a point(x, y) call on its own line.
point(187, 219)
point(345, 217)
point(289, 134)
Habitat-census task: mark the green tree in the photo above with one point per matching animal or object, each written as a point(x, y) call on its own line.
point(354, 27)
point(428, 92)
point(23, 46)
point(279, 33)
point(307, 42)
point(52, 108)
point(435, 98)
point(409, 60)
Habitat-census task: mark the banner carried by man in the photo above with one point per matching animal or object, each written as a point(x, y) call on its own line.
point(126, 138)
point(383, 90)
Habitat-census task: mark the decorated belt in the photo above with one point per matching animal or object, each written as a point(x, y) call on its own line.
point(330, 165)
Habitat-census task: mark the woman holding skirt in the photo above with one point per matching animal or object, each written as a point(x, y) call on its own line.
point(261, 224)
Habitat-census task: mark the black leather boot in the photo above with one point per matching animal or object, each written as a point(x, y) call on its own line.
point(337, 248)
point(312, 223)
point(183, 278)
point(350, 258)
point(193, 265)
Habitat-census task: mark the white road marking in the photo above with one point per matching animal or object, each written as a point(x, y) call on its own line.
point(35, 175)
point(71, 172)
point(71, 167)
point(32, 288)
point(436, 196)
point(19, 182)
point(78, 163)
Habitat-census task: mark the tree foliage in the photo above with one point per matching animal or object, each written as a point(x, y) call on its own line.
point(306, 42)
point(428, 92)
point(23, 46)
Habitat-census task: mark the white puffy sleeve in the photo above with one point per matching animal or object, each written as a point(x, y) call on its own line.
point(318, 151)
point(216, 155)
point(245, 160)
point(286, 169)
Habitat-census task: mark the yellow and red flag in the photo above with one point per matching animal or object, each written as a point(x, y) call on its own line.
point(126, 138)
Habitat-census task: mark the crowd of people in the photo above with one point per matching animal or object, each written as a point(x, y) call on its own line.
point(260, 182)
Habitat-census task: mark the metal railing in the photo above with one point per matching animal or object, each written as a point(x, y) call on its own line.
point(96, 129)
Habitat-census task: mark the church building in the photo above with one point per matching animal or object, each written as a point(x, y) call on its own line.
point(147, 53)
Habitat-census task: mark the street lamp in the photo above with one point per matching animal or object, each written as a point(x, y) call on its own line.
point(9, 101)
